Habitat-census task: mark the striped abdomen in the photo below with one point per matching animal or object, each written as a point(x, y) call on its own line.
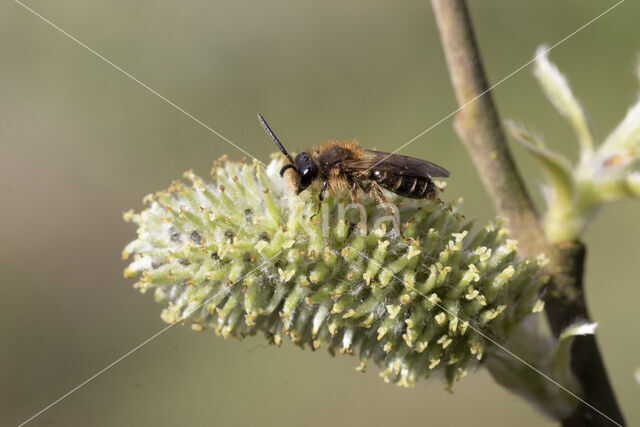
point(408, 186)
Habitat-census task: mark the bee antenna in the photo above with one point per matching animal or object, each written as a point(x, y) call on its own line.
point(274, 137)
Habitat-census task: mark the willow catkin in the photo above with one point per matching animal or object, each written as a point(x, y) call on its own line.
point(241, 254)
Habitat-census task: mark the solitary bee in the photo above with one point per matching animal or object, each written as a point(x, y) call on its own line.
point(342, 165)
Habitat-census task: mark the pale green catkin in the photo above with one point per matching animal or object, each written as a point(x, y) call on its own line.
point(240, 255)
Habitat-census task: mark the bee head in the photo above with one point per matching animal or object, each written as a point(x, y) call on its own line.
point(305, 169)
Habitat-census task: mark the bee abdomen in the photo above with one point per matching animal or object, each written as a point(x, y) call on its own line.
point(414, 187)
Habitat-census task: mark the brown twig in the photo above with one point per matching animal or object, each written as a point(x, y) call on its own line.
point(479, 127)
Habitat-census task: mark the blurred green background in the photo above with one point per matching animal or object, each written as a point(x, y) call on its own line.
point(80, 143)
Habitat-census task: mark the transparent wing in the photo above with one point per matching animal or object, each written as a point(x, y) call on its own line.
point(396, 163)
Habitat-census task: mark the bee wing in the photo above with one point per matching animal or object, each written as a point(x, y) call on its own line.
point(396, 163)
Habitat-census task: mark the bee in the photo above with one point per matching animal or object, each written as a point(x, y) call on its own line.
point(342, 165)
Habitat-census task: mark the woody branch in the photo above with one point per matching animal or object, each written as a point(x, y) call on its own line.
point(478, 126)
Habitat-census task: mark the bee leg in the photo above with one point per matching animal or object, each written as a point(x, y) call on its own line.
point(379, 194)
point(320, 198)
point(355, 196)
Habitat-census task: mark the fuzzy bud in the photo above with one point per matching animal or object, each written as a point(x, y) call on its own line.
point(605, 171)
